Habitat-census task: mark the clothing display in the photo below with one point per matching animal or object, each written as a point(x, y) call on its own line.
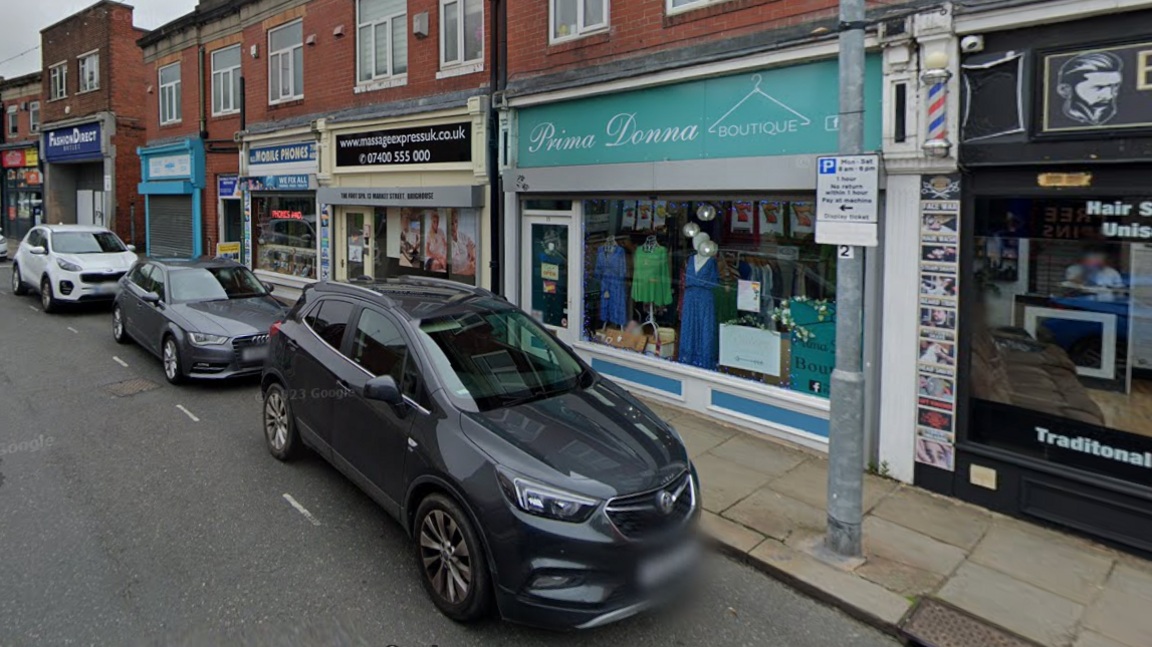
point(612, 272)
point(725, 296)
point(698, 326)
point(652, 276)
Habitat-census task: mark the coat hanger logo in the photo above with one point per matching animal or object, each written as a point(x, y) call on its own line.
point(782, 118)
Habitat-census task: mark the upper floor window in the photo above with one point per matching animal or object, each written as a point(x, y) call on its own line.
point(678, 6)
point(170, 94)
point(90, 72)
point(226, 81)
point(13, 120)
point(34, 117)
point(461, 32)
point(286, 63)
point(575, 18)
point(58, 80)
point(382, 37)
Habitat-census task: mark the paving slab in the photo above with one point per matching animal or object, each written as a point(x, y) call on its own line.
point(777, 516)
point(1122, 617)
point(1038, 559)
point(699, 439)
point(729, 533)
point(899, 578)
point(960, 525)
point(899, 544)
point(1133, 581)
point(1093, 639)
point(762, 455)
point(665, 412)
point(723, 483)
point(843, 588)
point(1025, 609)
point(809, 483)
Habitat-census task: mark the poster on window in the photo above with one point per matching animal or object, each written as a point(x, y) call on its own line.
point(660, 215)
point(741, 217)
point(628, 217)
point(748, 296)
point(750, 349)
point(411, 238)
point(463, 229)
point(435, 241)
point(803, 222)
point(771, 218)
point(644, 215)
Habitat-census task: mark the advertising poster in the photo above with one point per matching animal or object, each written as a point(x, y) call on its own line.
point(463, 227)
point(772, 219)
point(750, 349)
point(411, 242)
point(742, 217)
point(813, 355)
point(803, 219)
point(748, 296)
point(939, 295)
point(435, 241)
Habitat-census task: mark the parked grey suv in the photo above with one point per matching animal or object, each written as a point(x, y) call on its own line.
point(525, 479)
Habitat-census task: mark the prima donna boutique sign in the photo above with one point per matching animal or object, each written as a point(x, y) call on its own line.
point(1097, 89)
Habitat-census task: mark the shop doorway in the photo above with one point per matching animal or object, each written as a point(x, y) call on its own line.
point(547, 290)
point(90, 208)
point(355, 246)
point(232, 224)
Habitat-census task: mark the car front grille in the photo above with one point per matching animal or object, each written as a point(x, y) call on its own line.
point(640, 516)
point(242, 344)
point(101, 277)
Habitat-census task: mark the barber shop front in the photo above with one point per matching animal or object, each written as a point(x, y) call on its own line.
point(1052, 373)
point(667, 233)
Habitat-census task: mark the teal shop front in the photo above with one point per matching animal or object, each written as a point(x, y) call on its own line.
point(173, 188)
point(668, 234)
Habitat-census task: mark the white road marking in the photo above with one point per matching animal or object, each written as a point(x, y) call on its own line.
point(34, 308)
point(188, 413)
point(301, 509)
point(120, 361)
point(73, 330)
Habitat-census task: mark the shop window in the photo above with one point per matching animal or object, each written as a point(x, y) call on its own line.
point(737, 287)
point(286, 63)
point(461, 32)
point(1061, 332)
point(90, 72)
point(440, 243)
point(34, 116)
point(285, 235)
point(58, 81)
point(13, 120)
point(572, 19)
point(226, 81)
point(382, 38)
point(170, 109)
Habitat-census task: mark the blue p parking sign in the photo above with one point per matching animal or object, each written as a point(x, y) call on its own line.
point(827, 166)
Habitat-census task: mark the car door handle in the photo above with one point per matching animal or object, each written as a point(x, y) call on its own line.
point(344, 385)
point(292, 345)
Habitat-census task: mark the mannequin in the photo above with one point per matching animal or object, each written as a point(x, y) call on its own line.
point(698, 339)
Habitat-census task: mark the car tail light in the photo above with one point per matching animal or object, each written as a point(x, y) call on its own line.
point(275, 329)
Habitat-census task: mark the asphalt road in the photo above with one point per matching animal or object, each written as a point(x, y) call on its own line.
point(160, 518)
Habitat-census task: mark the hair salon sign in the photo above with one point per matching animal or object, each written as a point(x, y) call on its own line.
point(778, 111)
point(1107, 88)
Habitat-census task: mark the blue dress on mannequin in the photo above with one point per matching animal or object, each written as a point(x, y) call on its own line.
point(611, 270)
point(698, 338)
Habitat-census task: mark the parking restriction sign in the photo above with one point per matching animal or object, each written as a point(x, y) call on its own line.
point(847, 200)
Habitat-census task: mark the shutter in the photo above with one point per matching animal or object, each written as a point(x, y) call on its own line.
point(170, 232)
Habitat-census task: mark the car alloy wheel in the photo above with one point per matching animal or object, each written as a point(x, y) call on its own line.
point(47, 300)
point(16, 283)
point(118, 325)
point(171, 361)
point(276, 420)
point(447, 560)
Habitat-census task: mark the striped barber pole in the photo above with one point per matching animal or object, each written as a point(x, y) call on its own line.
point(937, 111)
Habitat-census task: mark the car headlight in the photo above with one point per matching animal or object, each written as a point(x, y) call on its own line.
point(545, 500)
point(68, 267)
point(204, 339)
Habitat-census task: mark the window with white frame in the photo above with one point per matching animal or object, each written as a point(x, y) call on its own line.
point(677, 6)
point(382, 39)
point(58, 81)
point(13, 120)
point(226, 81)
point(461, 32)
point(286, 63)
point(34, 117)
point(575, 18)
point(170, 94)
point(90, 72)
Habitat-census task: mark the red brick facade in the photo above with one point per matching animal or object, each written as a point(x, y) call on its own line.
point(20, 93)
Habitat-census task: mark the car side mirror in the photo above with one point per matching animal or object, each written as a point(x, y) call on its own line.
point(383, 389)
point(150, 297)
point(131, 248)
point(269, 288)
point(37, 250)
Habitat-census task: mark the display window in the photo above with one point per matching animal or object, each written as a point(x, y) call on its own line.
point(383, 242)
point(284, 234)
point(1061, 346)
point(738, 287)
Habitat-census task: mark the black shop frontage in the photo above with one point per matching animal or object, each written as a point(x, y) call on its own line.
point(1050, 345)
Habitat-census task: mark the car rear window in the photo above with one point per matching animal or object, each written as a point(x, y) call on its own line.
point(329, 319)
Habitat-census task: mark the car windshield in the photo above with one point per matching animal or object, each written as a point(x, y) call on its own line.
point(215, 284)
point(498, 358)
point(87, 242)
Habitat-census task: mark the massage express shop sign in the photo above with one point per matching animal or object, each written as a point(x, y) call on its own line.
point(778, 111)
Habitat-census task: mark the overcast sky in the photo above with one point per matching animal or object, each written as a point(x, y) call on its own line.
point(20, 27)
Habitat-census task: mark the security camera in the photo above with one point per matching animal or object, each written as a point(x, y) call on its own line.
point(972, 44)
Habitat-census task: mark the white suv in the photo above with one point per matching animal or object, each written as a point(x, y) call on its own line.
point(71, 263)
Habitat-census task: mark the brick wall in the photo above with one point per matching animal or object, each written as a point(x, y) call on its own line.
point(130, 135)
point(63, 42)
point(20, 94)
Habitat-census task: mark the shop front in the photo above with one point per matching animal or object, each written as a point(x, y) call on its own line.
point(1052, 377)
point(230, 223)
point(668, 234)
point(22, 190)
point(281, 222)
point(79, 175)
point(173, 187)
point(407, 198)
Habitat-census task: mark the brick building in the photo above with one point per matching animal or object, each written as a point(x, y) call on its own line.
point(368, 75)
point(93, 120)
point(22, 184)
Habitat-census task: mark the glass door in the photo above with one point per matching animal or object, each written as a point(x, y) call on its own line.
point(355, 246)
point(547, 288)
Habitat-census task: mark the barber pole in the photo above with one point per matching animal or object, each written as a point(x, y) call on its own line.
point(938, 111)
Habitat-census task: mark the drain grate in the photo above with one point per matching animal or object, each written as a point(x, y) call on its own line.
point(936, 624)
point(130, 387)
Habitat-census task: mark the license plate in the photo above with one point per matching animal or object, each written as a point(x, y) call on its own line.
point(106, 289)
point(663, 568)
point(254, 354)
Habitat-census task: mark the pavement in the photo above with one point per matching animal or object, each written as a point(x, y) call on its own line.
point(765, 502)
point(158, 518)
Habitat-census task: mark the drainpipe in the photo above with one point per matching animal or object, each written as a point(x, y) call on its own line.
point(203, 101)
point(496, 81)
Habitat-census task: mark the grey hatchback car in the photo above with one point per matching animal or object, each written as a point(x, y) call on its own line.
point(205, 318)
